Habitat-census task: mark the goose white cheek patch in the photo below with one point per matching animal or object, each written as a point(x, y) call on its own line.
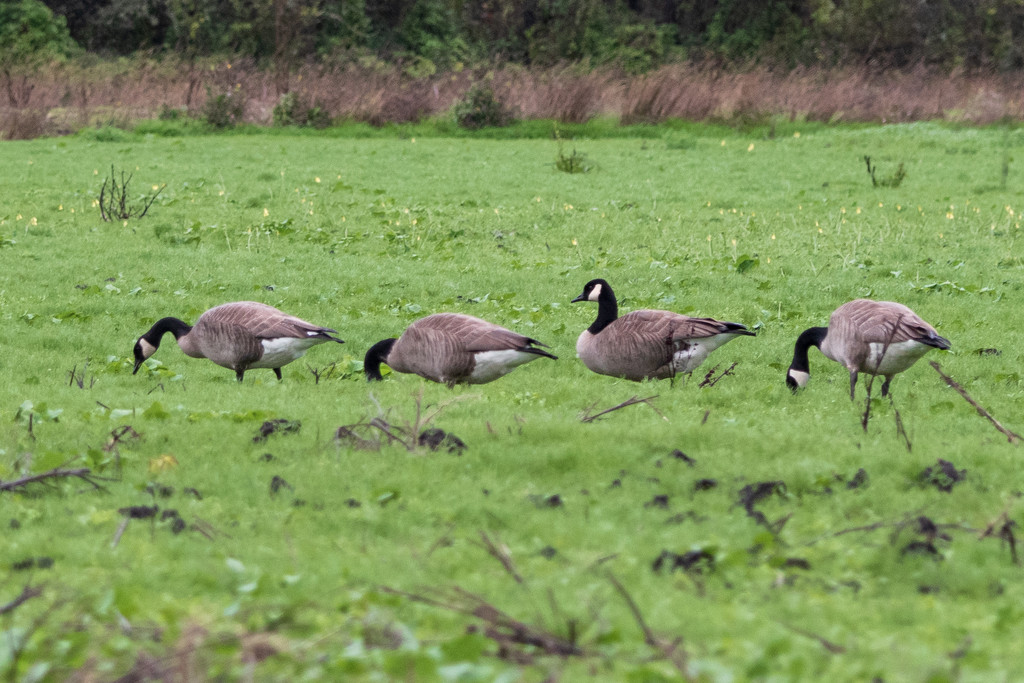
point(147, 348)
point(800, 377)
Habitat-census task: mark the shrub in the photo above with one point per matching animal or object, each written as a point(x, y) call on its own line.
point(30, 37)
point(480, 108)
point(292, 110)
point(22, 124)
point(224, 110)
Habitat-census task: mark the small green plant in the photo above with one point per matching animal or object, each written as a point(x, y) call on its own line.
point(480, 108)
point(168, 113)
point(574, 162)
point(893, 180)
point(223, 110)
point(292, 110)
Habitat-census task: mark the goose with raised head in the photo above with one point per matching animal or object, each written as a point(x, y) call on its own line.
point(876, 337)
point(452, 348)
point(241, 336)
point(647, 344)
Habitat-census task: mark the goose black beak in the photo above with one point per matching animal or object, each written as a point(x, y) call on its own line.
point(579, 298)
point(138, 364)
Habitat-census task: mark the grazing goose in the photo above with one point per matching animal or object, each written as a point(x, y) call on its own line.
point(240, 335)
point(876, 337)
point(452, 348)
point(647, 344)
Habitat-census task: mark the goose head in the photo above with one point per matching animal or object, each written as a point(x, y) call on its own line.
point(143, 350)
point(595, 290)
point(377, 354)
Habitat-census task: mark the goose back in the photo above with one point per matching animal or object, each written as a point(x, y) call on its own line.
point(452, 348)
point(653, 344)
point(878, 337)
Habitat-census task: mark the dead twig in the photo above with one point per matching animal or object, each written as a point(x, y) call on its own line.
point(27, 593)
point(409, 435)
point(709, 379)
point(115, 206)
point(324, 373)
point(1012, 437)
point(672, 650)
point(83, 473)
point(501, 554)
point(1002, 527)
point(587, 417)
point(834, 648)
point(119, 533)
point(900, 431)
point(510, 634)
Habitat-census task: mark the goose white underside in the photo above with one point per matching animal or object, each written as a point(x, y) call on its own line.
point(691, 353)
point(894, 358)
point(283, 350)
point(490, 365)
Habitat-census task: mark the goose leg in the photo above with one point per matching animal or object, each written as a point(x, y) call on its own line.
point(885, 386)
point(277, 371)
point(853, 382)
point(239, 374)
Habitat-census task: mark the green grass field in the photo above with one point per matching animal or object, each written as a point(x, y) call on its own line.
point(302, 557)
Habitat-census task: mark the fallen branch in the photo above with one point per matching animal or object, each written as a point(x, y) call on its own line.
point(501, 554)
point(1012, 437)
point(27, 593)
point(509, 633)
point(587, 417)
point(671, 650)
point(83, 473)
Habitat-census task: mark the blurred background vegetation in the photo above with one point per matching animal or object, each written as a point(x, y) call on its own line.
point(637, 35)
point(70, 64)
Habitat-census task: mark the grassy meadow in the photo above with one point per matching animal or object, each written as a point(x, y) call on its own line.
point(790, 543)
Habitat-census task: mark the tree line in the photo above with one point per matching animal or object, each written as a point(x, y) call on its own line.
point(637, 35)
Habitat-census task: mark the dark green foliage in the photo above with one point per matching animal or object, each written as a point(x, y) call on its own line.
point(224, 110)
point(480, 109)
point(294, 110)
point(30, 36)
point(124, 26)
point(639, 35)
point(30, 32)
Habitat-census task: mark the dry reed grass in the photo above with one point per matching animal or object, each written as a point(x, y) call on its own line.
point(70, 96)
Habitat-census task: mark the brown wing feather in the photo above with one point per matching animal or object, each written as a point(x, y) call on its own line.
point(431, 351)
point(669, 325)
point(227, 344)
point(472, 334)
point(878, 322)
point(261, 321)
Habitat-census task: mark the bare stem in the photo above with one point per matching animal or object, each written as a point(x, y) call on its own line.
point(1012, 437)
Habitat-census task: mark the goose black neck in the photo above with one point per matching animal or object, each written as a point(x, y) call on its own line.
point(607, 309)
point(810, 337)
point(377, 354)
point(178, 328)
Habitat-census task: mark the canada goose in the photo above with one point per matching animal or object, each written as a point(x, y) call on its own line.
point(876, 337)
point(647, 344)
point(452, 348)
point(240, 335)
